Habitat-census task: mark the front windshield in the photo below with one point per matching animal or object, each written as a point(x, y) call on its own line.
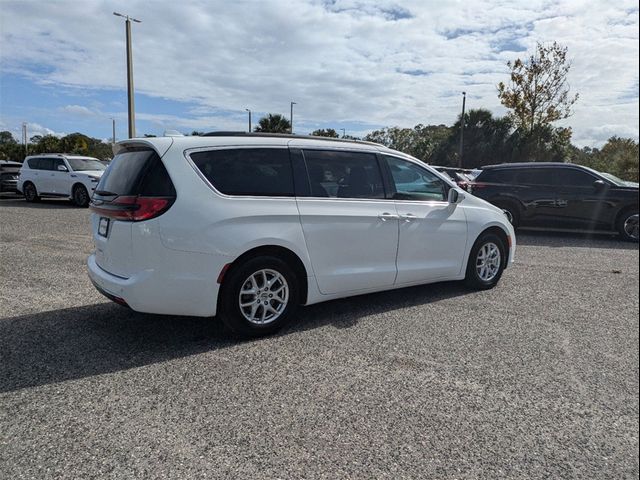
point(85, 164)
point(618, 181)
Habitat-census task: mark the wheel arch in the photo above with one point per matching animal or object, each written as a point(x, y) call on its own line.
point(623, 211)
point(287, 255)
point(503, 235)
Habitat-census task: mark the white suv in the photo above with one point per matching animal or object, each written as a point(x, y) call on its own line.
point(249, 226)
point(57, 175)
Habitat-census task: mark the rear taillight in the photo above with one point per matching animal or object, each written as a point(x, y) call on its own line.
point(471, 187)
point(133, 208)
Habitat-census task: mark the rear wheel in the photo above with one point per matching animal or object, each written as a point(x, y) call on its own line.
point(487, 261)
point(258, 297)
point(628, 225)
point(30, 192)
point(80, 196)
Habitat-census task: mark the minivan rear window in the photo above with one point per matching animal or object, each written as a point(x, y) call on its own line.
point(136, 171)
point(264, 172)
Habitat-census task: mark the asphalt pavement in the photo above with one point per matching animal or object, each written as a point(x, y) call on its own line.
point(537, 378)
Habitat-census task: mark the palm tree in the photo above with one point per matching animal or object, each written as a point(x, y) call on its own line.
point(273, 123)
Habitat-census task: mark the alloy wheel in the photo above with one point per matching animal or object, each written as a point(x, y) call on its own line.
point(488, 262)
point(263, 296)
point(631, 226)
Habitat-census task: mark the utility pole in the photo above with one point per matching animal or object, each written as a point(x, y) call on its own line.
point(291, 117)
point(113, 127)
point(464, 100)
point(344, 134)
point(249, 119)
point(25, 138)
point(132, 119)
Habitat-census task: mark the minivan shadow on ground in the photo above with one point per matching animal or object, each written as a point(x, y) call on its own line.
point(78, 342)
point(572, 239)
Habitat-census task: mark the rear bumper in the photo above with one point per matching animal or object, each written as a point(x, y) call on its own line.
point(156, 291)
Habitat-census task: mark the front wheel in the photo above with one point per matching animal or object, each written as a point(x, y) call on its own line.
point(81, 196)
point(258, 297)
point(628, 225)
point(487, 261)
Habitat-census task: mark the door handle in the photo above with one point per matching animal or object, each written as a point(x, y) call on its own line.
point(408, 217)
point(387, 216)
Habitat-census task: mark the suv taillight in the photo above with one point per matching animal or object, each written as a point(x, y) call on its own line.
point(133, 208)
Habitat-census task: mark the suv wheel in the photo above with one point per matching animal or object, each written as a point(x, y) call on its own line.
point(628, 225)
point(258, 297)
point(80, 196)
point(30, 192)
point(486, 262)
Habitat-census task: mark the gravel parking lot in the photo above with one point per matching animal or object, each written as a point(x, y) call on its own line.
point(537, 378)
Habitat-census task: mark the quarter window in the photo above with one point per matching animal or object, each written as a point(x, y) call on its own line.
point(264, 172)
point(339, 174)
point(413, 182)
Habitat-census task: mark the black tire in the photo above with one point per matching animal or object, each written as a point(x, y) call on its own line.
point(30, 192)
point(511, 211)
point(229, 309)
point(627, 225)
point(80, 196)
point(473, 279)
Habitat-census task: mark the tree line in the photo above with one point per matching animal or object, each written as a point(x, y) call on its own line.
point(536, 96)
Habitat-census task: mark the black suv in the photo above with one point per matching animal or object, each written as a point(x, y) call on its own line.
point(560, 195)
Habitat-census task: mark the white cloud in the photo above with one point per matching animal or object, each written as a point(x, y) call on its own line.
point(341, 61)
point(79, 110)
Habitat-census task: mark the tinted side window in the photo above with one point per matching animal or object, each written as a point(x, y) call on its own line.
point(340, 174)
point(34, 163)
point(46, 163)
point(571, 177)
point(535, 176)
point(262, 172)
point(413, 182)
point(497, 176)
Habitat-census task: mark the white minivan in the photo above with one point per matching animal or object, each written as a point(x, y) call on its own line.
point(249, 226)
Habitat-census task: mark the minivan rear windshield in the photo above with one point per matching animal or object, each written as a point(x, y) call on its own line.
point(136, 171)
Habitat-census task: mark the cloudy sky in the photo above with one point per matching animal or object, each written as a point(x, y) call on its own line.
point(349, 64)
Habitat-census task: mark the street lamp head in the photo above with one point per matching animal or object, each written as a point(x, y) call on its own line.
point(464, 93)
point(127, 17)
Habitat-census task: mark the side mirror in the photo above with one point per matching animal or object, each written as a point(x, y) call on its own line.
point(599, 185)
point(62, 168)
point(455, 196)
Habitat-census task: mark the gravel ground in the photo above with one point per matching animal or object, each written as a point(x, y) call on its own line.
point(537, 378)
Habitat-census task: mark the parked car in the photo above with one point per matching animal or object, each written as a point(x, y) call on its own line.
point(560, 195)
point(462, 176)
point(60, 175)
point(9, 172)
point(249, 226)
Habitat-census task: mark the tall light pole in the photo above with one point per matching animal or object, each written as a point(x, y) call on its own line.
point(113, 128)
point(132, 119)
point(344, 132)
point(464, 100)
point(291, 117)
point(249, 119)
point(25, 138)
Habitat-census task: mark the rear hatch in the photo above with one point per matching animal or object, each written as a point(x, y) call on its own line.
point(135, 188)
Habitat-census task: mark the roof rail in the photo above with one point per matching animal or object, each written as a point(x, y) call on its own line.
point(286, 135)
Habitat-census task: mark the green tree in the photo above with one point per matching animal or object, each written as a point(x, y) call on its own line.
point(420, 141)
point(273, 123)
point(538, 93)
point(487, 140)
point(328, 132)
point(618, 156)
point(6, 138)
